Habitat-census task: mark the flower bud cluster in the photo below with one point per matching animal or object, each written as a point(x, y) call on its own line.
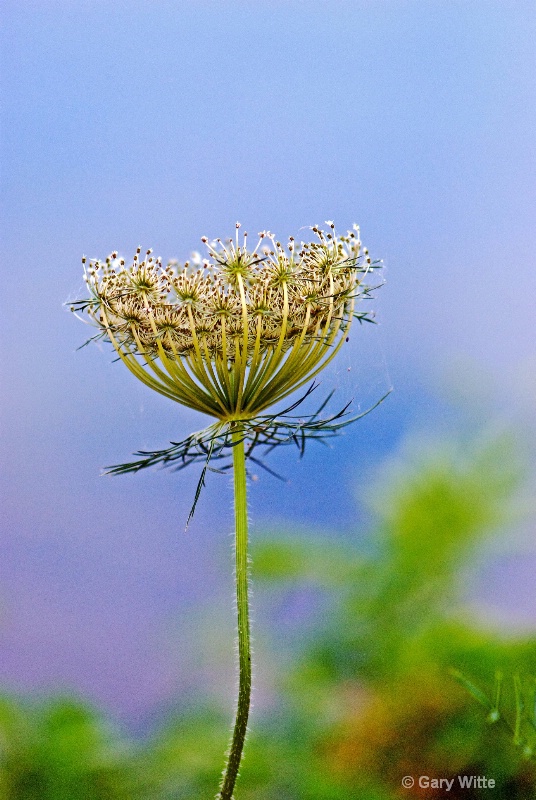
point(235, 332)
point(261, 297)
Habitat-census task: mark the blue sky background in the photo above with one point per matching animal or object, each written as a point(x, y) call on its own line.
point(155, 123)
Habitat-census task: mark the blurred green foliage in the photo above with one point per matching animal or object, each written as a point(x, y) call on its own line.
point(368, 696)
point(59, 751)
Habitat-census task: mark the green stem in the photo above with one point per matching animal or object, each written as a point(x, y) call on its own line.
point(244, 647)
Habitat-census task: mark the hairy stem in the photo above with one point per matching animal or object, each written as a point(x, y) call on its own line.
point(244, 647)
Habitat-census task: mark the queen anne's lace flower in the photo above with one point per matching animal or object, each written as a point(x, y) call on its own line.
point(231, 336)
point(239, 331)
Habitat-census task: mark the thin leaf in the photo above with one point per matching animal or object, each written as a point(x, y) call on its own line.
point(473, 690)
